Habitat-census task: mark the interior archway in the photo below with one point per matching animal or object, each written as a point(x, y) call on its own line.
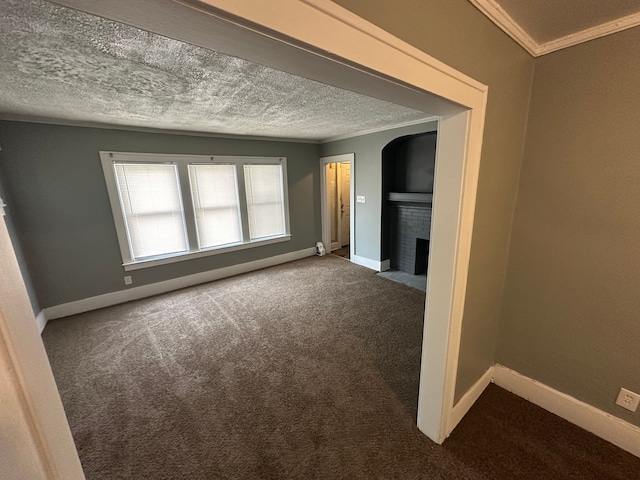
point(290, 35)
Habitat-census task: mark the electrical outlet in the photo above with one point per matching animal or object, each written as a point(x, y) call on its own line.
point(361, 199)
point(627, 399)
point(127, 280)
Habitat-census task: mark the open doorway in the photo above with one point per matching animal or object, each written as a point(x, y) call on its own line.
point(365, 59)
point(397, 72)
point(337, 200)
point(339, 180)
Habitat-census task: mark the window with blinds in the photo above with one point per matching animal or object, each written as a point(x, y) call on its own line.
point(265, 200)
point(215, 200)
point(168, 208)
point(152, 209)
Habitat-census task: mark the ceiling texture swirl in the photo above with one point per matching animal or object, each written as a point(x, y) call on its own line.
point(61, 65)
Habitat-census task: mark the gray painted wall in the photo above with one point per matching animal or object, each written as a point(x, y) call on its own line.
point(60, 207)
point(570, 315)
point(17, 245)
point(367, 178)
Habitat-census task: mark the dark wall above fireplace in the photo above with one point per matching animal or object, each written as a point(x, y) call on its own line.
point(415, 164)
point(408, 165)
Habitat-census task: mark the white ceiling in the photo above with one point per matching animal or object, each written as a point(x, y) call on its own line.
point(62, 65)
point(544, 26)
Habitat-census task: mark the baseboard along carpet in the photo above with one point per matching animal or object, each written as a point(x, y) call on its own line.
point(307, 370)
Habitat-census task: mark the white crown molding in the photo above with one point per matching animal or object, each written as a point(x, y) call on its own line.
point(380, 129)
point(492, 10)
point(502, 19)
point(191, 133)
point(592, 33)
point(133, 128)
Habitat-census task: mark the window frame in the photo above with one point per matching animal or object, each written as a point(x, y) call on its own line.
point(126, 223)
point(182, 162)
point(193, 203)
point(246, 198)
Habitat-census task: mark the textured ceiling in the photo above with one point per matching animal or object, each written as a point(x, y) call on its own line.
point(61, 64)
point(546, 20)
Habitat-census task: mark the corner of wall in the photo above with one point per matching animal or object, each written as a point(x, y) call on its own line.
point(41, 320)
point(513, 211)
point(600, 423)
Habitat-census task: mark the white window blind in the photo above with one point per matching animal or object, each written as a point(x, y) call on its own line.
point(174, 207)
point(152, 208)
point(265, 200)
point(216, 206)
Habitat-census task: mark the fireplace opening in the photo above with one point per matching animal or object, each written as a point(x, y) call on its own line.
point(422, 255)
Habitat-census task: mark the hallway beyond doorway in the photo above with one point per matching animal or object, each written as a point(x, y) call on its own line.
point(342, 252)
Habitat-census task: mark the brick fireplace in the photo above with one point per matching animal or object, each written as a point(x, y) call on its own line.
point(410, 238)
point(408, 168)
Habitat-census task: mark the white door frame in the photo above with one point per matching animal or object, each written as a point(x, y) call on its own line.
point(325, 205)
point(340, 201)
point(39, 428)
point(372, 61)
point(291, 35)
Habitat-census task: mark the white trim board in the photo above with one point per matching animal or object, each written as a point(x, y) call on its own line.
point(592, 33)
point(41, 320)
point(461, 408)
point(325, 215)
point(192, 133)
point(368, 263)
point(492, 10)
point(379, 129)
point(143, 291)
point(156, 130)
point(604, 425)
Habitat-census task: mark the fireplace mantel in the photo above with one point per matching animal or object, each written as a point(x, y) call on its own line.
point(411, 197)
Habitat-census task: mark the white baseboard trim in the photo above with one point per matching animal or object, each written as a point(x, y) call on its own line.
point(41, 320)
point(136, 293)
point(604, 425)
point(468, 399)
point(385, 265)
point(367, 262)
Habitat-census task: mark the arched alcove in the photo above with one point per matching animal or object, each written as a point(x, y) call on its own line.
point(408, 165)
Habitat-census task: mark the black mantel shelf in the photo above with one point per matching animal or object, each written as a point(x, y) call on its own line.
point(411, 197)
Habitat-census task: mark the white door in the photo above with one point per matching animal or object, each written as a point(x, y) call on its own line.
point(345, 203)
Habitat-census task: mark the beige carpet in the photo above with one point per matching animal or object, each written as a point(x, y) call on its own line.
point(307, 370)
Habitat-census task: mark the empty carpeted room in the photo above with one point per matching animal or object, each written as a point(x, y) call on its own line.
point(204, 202)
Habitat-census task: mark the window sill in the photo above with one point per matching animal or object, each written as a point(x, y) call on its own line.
point(181, 257)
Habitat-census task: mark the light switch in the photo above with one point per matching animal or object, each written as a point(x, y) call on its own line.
point(360, 199)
